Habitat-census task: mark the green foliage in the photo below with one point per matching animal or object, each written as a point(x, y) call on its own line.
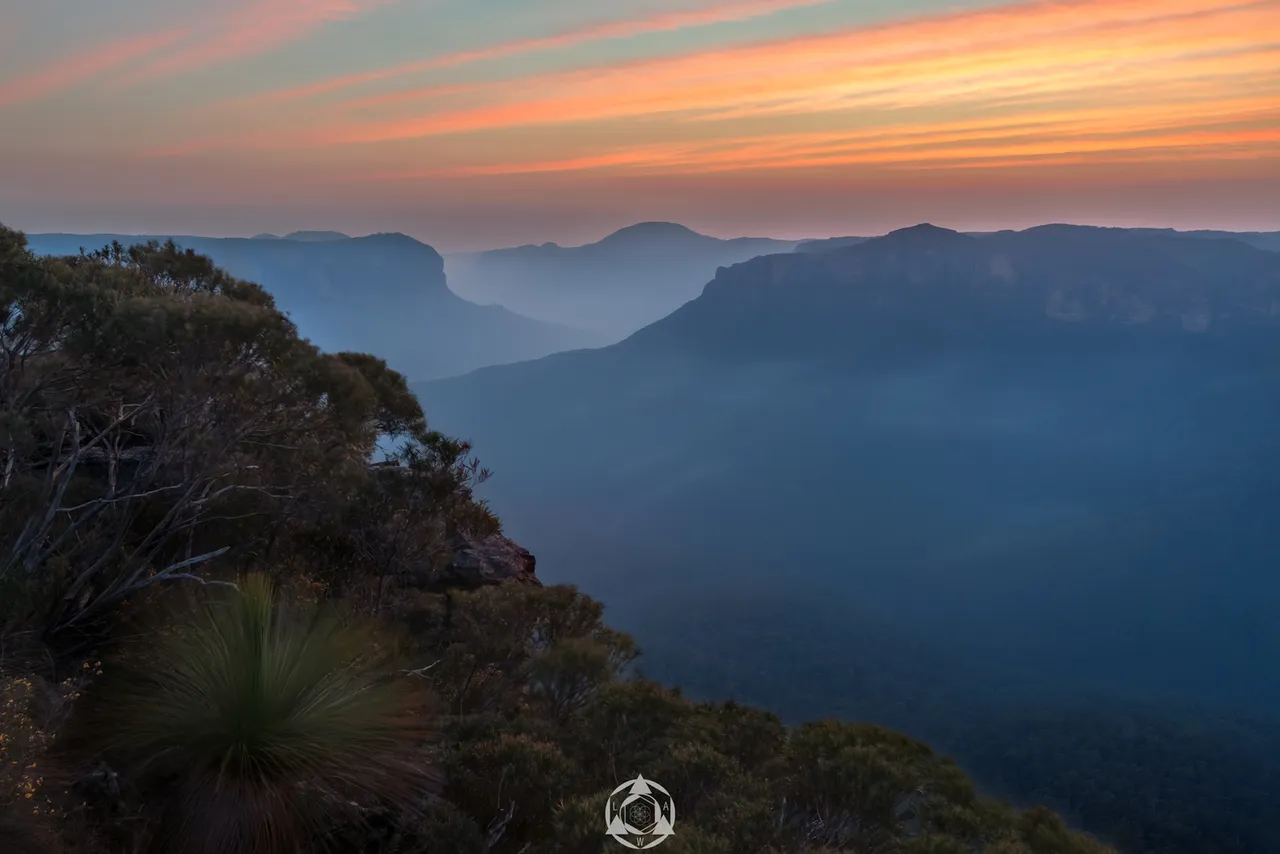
point(440, 828)
point(158, 416)
point(694, 840)
point(553, 649)
point(511, 782)
point(741, 782)
point(250, 721)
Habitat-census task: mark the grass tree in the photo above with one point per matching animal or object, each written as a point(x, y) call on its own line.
point(251, 726)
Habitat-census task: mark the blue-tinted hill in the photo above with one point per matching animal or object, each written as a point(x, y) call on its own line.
point(630, 278)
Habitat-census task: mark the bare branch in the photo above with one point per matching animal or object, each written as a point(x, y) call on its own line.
point(124, 588)
point(238, 487)
point(205, 582)
point(498, 826)
point(130, 497)
point(421, 671)
point(192, 561)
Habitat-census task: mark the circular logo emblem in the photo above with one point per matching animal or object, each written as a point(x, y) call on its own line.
point(640, 814)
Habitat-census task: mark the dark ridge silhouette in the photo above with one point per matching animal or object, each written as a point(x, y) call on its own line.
point(923, 236)
point(829, 243)
point(642, 232)
point(315, 236)
point(1269, 240)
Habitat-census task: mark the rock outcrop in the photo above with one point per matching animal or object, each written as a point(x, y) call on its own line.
point(479, 563)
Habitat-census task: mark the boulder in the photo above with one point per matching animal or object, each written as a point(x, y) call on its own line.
point(478, 562)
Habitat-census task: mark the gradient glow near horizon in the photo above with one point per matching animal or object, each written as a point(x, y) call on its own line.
point(473, 123)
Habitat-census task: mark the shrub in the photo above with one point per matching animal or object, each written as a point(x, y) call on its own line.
point(252, 724)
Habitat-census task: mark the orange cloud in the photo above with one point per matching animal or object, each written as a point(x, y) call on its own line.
point(1091, 130)
point(251, 29)
point(734, 10)
point(1044, 49)
point(73, 70)
point(1036, 83)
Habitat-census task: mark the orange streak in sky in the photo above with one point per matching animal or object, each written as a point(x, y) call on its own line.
point(1120, 142)
point(70, 71)
point(1044, 82)
point(735, 10)
point(1035, 51)
point(812, 147)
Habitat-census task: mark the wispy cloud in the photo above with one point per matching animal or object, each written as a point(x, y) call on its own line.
point(719, 13)
point(1100, 81)
point(1248, 122)
point(248, 30)
point(70, 71)
point(1040, 50)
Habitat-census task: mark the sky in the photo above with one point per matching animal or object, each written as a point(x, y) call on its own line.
point(479, 123)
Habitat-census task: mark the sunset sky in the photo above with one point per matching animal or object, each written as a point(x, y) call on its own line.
point(476, 123)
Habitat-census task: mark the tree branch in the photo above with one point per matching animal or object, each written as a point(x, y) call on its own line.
point(498, 826)
point(421, 671)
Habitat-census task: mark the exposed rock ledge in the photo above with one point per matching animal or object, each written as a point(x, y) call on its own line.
point(480, 563)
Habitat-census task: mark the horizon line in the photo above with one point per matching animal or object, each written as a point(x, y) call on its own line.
point(269, 235)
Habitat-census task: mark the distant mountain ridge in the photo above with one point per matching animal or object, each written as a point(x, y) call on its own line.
point(614, 286)
point(315, 236)
point(828, 244)
point(305, 236)
point(639, 274)
point(1063, 273)
point(383, 293)
point(1269, 240)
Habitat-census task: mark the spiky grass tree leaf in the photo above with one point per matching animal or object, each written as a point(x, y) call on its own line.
point(251, 726)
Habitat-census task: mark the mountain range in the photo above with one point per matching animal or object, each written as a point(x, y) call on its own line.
point(1269, 240)
point(613, 287)
point(937, 480)
point(306, 236)
point(384, 293)
point(1064, 375)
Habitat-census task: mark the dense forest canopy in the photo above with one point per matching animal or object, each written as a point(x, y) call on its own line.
point(223, 629)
